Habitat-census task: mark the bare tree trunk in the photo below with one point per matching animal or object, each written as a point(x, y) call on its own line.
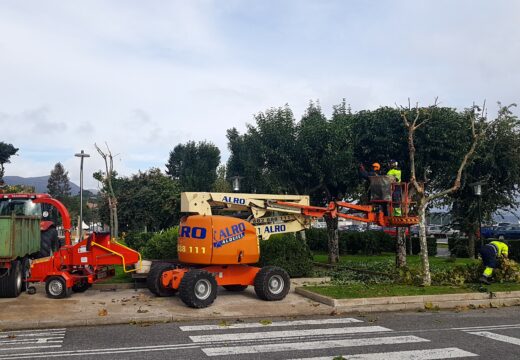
point(471, 243)
point(333, 239)
point(112, 200)
point(400, 256)
point(427, 279)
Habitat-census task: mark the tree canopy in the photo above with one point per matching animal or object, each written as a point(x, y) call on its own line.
point(194, 165)
point(6, 151)
point(58, 184)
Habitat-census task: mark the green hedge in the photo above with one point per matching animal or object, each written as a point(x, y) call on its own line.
point(137, 240)
point(459, 247)
point(416, 246)
point(288, 252)
point(162, 245)
point(350, 242)
point(365, 243)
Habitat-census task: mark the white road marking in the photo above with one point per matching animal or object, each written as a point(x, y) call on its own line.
point(23, 340)
point(30, 347)
point(33, 331)
point(92, 352)
point(492, 327)
point(503, 338)
point(287, 333)
point(431, 354)
point(273, 324)
point(311, 345)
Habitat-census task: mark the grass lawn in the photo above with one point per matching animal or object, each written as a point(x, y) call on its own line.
point(412, 260)
point(380, 290)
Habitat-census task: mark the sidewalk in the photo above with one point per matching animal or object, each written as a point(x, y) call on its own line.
point(124, 306)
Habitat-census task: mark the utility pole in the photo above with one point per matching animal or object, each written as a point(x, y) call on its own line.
point(81, 155)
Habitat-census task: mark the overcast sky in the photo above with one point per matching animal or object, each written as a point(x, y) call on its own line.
point(147, 75)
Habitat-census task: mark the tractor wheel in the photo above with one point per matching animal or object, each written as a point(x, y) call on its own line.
point(198, 288)
point(272, 283)
point(81, 286)
point(11, 281)
point(56, 287)
point(154, 283)
point(49, 242)
point(235, 288)
point(26, 272)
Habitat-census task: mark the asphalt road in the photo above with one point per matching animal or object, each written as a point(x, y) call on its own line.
point(488, 334)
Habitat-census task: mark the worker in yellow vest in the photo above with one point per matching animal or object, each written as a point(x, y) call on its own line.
point(396, 195)
point(490, 253)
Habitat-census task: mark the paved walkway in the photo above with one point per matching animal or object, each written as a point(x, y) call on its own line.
point(127, 305)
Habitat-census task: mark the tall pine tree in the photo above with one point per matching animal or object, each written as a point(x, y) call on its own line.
point(58, 184)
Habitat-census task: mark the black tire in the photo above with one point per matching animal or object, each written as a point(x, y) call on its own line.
point(198, 288)
point(272, 283)
point(26, 272)
point(11, 281)
point(49, 242)
point(235, 288)
point(81, 286)
point(56, 287)
point(154, 283)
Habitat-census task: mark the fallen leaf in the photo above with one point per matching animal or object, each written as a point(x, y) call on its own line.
point(102, 312)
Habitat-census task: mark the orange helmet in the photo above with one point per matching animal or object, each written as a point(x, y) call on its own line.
point(376, 166)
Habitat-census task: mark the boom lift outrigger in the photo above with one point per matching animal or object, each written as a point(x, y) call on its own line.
point(216, 250)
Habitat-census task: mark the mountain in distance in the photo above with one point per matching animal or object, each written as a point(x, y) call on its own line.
point(40, 183)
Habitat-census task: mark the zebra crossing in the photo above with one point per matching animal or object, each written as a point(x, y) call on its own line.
point(346, 333)
point(310, 339)
point(29, 340)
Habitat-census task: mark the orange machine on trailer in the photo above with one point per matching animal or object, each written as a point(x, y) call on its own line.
point(218, 250)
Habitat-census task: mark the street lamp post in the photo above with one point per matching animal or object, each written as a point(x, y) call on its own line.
point(81, 155)
point(477, 189)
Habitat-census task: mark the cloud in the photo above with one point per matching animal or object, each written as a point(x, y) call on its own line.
point(145, 76)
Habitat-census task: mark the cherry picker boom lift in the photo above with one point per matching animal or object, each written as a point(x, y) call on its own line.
point(216, 250)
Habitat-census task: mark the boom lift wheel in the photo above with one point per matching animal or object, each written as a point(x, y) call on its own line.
point(235, 288)
point(272, 283)
point(154, 280)
point(198, 288)
point(11, 281)
point(56, 287)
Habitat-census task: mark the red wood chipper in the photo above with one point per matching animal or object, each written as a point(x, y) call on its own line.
point(75, 267)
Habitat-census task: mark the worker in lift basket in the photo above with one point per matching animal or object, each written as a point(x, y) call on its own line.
point(396, 195)
point(490, 253)
point(373, 172)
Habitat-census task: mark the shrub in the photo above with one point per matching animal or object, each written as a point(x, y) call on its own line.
point(379, 272)
point(137, 240)
point(162, 245)
point(365, 243)
point(350, 242)
point(459, 247)
point(317, 239)
point(416, 246)
point(287, 252)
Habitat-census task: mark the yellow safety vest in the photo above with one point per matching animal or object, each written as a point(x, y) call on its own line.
point(395, 173)
point(502, 249)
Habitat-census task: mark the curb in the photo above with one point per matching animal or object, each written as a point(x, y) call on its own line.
point(422, 302)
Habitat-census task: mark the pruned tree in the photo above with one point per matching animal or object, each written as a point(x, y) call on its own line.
point(413, 119)
point(111, 196)
point(496, 167)
point(58, 184)
point(6, 151)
